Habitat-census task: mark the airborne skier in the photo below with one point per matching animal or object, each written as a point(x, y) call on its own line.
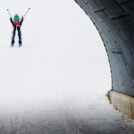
point(17, 23)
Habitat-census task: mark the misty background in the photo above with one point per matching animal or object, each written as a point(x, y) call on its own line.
point(62, 52)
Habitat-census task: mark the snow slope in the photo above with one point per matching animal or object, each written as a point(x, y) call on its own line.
point(37, 72)
point(55, 89)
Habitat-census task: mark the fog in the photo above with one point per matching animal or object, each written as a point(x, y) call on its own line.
point(62, 52)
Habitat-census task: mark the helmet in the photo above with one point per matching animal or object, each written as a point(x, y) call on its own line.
point(16, 17)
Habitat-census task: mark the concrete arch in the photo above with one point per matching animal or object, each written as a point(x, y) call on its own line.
point(114, 20)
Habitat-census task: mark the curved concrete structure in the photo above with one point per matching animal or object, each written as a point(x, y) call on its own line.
point(114, 20)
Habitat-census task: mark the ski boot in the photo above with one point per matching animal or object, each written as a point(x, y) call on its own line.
point(12, 43)
point(20, 42)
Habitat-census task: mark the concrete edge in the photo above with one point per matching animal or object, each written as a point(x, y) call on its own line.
point(122, 103)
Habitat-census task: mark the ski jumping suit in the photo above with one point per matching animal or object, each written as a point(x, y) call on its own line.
point(16, 25)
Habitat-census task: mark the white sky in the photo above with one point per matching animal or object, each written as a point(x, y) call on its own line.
point(67, 50)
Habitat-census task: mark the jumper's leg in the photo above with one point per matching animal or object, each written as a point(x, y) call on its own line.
point(13, 36)
point(19, 35)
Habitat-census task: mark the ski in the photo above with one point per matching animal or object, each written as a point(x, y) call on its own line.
point(20, 45)
point(12, 43)
point(20, 42)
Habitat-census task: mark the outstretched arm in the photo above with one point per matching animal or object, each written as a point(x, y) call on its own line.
point(11, 21)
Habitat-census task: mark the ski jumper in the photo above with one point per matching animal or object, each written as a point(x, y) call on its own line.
point(17, 26)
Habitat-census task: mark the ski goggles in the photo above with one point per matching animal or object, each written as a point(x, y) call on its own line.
point(16, 20)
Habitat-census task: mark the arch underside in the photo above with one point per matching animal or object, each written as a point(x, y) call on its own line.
point(114, 20)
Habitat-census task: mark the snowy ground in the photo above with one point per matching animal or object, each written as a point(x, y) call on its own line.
point(47, 91)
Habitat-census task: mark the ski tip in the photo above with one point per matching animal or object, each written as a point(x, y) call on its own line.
point(12, 45)
point(20, 45)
